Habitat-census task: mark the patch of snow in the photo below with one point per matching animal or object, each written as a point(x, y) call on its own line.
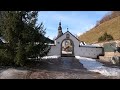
point(96, 45)
point(51, 44)
point(82, 43)
point(78, 34)
point(46, 57)
point(11, 73)
point(89, 46)
point(50, 57)
point(64, 52)
point(93, 65)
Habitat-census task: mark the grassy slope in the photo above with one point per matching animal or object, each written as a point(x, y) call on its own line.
point(111, 27)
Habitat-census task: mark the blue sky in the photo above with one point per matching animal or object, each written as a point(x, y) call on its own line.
point(77, 22)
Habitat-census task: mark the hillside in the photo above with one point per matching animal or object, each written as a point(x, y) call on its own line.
point(111, 27)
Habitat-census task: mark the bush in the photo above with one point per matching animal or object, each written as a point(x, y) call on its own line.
point(105, 37)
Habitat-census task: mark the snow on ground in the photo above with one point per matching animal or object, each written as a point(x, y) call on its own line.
point(93, 65)
point(50, 57)
point(64, 52)
point(90, 46)
point(46, 57)
point(13, 73)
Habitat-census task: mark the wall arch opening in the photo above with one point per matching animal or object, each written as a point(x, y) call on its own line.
point(67, 47)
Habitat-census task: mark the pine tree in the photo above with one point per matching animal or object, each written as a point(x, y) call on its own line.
point(20, 57)
point(25, 39)
point(8, 23)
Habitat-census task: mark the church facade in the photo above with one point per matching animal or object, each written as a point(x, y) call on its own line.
point(73, 47)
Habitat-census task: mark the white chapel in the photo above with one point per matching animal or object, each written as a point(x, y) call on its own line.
point(66, 44)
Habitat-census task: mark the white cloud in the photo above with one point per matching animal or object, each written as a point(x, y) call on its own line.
point(78, 34)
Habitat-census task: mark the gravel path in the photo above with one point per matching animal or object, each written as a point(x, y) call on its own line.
point(61, 68)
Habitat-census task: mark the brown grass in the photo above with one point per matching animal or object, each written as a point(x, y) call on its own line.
point(111, 27)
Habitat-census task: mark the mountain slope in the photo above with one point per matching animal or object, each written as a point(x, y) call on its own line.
point(111, 27)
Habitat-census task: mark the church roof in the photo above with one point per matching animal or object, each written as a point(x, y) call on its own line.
point(70, 33)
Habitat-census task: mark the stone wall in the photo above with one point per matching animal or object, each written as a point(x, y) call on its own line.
point(83, 51)
point(90, 52)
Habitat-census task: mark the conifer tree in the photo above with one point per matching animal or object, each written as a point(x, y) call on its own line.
point(25, 39)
